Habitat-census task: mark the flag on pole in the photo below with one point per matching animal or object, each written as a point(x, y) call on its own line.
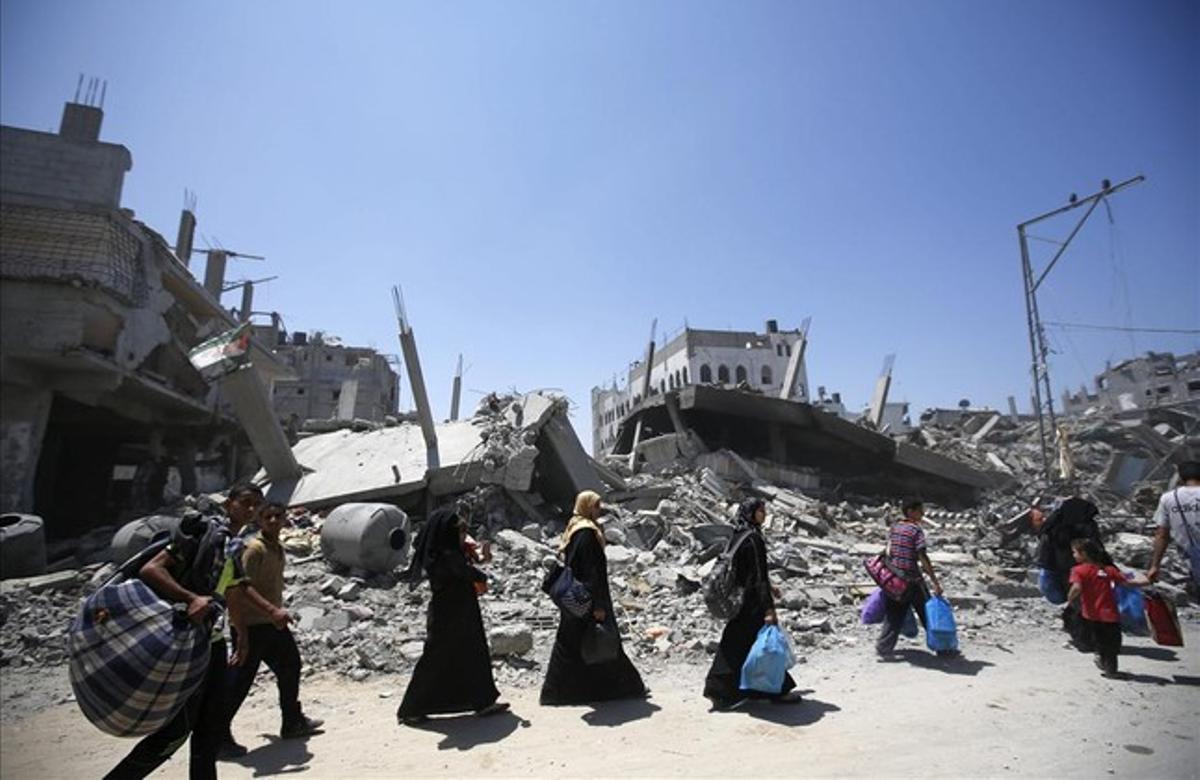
point(222, 354)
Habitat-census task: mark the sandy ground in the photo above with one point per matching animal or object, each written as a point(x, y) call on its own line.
point(1031, 708)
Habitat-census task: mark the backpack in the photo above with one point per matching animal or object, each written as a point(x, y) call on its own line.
point(722, 594)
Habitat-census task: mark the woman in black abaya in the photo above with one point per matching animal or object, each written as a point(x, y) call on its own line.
point(568, 679)
point(722, 686)
point(455, 670)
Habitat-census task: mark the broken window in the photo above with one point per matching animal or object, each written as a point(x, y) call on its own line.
point(741, 374)
point(766, 375)
point(723, 374)
point(779, 350)
point(1194, 386)
point(705, 373)
point(299, 391)
point(788, 350)
point(685, 376)
point(337, 394)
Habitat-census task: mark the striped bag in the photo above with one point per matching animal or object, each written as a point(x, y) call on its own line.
point(135, 659)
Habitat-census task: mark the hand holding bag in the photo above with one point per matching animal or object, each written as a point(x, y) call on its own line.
point(601, 644)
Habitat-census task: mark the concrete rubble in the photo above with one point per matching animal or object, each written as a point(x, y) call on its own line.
point(664, 530)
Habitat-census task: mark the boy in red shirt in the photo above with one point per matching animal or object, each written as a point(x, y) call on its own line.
point(1092, 581)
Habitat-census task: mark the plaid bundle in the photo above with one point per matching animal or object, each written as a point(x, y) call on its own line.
point(134, 659)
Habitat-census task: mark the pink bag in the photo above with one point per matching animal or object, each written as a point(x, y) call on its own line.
point(874, 608)
point(892, 584)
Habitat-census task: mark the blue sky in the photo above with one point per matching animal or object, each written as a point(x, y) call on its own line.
point(544, 179)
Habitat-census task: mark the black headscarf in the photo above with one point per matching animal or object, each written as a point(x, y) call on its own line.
point(746, 510)
point(439, 534)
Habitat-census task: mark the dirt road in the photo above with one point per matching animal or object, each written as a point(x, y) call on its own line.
point(1031, 708)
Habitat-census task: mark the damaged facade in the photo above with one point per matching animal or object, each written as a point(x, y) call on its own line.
point(1153, 380)
point(100, 400)
point(331, 381)
point(707, 357)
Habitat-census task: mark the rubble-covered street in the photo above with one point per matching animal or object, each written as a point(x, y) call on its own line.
point(664, 530)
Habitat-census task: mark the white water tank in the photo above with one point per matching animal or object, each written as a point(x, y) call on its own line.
point(374, 537)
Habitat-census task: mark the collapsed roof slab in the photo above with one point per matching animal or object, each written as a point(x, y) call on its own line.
point(796, 433)
point(391, 463)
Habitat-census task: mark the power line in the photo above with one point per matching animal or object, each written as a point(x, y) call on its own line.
point(1081, 326)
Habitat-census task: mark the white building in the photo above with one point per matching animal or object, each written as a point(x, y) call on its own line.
point(757, 361)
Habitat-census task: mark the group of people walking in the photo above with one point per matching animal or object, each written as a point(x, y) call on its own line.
point(233, 556)
point(454, 673)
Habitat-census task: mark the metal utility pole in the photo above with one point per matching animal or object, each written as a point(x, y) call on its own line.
point(408, 345)
point(1043, 398)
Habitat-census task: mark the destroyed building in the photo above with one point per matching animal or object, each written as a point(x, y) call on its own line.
point(695, 356)
point(99, 399)
point(1154, 380)
point(331, 381)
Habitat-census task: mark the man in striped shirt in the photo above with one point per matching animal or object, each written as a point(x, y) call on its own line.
point(906, 557)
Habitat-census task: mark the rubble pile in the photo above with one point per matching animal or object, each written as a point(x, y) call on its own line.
point(663, 531)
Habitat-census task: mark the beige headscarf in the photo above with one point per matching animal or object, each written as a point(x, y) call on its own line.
point(585, 504)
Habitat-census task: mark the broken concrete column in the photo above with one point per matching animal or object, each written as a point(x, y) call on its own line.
point(456, 393)
point(408, 346)
point(882, 385)
point(246, 391)
point(214, 272)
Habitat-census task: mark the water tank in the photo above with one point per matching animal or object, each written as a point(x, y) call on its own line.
point(299, 338)
point(374, 537)
point(136, 535)
point(22, 546)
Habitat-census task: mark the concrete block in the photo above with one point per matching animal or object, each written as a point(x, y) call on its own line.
point(513, 639)
point(59, 580)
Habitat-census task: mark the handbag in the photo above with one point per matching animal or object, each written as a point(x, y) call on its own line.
point(568, 594)
point(874, 608)
point(601, 644)
point(892, 584)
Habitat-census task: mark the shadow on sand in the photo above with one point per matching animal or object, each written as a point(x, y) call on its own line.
point(616, 713)
point(463, 732)
point(953, 664)
point(279, 756)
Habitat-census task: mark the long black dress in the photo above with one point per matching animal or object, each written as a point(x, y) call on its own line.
point(722, 685)
point(455, 670)
point(568, 679)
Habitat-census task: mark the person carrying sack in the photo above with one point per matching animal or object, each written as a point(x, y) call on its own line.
point(906, 556)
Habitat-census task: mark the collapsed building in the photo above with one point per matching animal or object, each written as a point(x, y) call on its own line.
point(329, 380)
point(1154, 380)
point(101, 405)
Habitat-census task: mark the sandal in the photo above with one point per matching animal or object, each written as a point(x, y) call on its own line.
point(791, 697)
point(413, 720)
point(495, 708)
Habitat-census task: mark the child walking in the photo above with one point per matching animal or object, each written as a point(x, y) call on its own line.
point(1092, 581)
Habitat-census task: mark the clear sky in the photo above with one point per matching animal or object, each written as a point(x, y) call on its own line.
point(544, 179)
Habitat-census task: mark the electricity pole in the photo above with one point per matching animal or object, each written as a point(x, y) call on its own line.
point(1043, 397)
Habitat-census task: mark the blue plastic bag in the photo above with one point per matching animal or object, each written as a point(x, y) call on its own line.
point(874, 608)
point(1132, 606)
point(940, 632)
point(909, 627)
point(1051, 586)
point(768, 661)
